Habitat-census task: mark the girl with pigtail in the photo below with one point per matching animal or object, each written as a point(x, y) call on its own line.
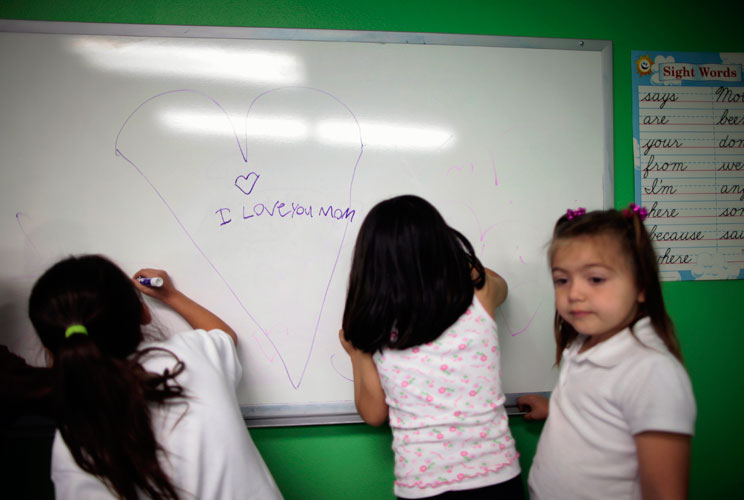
point(621, 417)
point(139, 417)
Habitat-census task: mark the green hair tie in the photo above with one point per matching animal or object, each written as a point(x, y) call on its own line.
point(73, 329)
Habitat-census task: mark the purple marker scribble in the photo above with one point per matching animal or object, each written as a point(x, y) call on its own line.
point(243, 153)
point(460, 168)
point(335, 368)
point(526, 327)
point(30, 242)
point(246, 183)
point(288, 210)
point(493, 166)
point(520, 257)
point(481, 232)
point(28, 239)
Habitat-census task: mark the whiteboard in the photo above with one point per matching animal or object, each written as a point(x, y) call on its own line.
point(243, 162)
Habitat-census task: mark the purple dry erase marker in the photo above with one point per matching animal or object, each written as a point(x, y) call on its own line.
point(154, 282)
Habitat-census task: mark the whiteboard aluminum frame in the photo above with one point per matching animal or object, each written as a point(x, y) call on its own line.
point(323, 35)
point(344, 412)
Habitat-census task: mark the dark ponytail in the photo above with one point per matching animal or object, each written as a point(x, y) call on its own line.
point(101, 391)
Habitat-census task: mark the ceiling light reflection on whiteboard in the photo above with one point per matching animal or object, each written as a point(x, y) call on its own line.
point(295, 129)
point(386, 135)
point(161, 57)
point(284, 128)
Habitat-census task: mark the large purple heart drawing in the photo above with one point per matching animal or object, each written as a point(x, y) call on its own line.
point(265, 199)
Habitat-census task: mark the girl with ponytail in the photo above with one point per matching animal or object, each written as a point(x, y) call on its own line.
point(140, 417)
point(622, 414)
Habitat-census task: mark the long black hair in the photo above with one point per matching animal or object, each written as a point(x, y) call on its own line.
point(101, 391)
point(627, 229)
point(411, 273)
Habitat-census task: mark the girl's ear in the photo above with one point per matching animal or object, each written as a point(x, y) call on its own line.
point(641, 296)
point(146, 315)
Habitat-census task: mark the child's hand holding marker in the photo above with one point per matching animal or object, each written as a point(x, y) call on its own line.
point(154, 282)
point(194, 314)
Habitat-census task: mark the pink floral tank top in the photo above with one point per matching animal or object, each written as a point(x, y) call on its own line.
point(450, 428)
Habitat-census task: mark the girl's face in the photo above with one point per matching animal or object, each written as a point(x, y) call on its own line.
point(594, 287)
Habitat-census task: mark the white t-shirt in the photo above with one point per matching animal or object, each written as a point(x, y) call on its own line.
point(446, 406)
point(210, 454)
point(603, 398)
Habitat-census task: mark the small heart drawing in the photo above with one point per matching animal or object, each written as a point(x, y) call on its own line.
point(246, 183)
point(278, 249)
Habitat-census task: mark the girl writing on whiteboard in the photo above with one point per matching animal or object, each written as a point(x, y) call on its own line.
point(140, 417)
point(622, 413)
point(419, 328)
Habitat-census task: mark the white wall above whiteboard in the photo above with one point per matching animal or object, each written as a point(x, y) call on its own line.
point(243, 162)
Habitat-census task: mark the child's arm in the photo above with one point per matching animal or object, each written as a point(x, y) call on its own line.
point(493, 293)
point(195, 315)
point(663, 464)
point(536, 406)
point(369, 397)
point(498, 286)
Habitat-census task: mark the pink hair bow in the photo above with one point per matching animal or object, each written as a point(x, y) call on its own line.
point(572, 214)
point(634, 209)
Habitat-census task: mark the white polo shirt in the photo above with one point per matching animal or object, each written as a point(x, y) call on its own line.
point(603, 398)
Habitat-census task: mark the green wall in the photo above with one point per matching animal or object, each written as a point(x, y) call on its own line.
point(338, 462)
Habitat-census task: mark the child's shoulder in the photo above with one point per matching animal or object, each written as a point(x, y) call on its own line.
point(651, 361)
point(649, 346)
point(650, 367)
point(646, 352)
point(493, 293)
point(654, 392)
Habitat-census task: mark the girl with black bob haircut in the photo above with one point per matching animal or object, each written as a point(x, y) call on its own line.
point(410, 271)
point(420, 331)
point(136, 415)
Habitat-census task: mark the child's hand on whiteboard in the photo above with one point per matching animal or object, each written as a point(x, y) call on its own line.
point(196, 315)
point(535, 405)
point(162, 290)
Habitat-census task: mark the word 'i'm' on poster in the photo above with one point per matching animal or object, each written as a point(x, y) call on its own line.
point(688, 140)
